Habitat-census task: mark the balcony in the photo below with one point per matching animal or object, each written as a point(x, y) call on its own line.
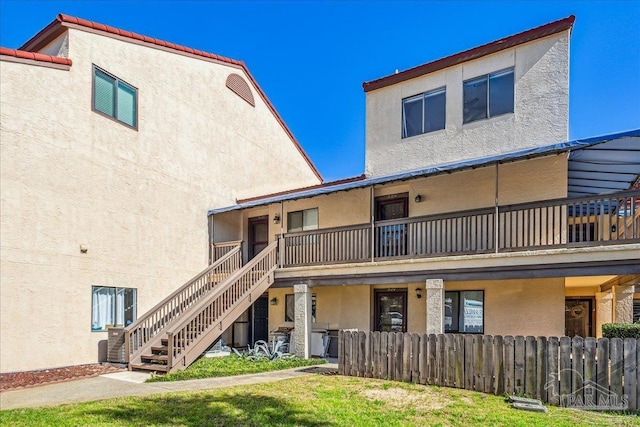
point(611, 219)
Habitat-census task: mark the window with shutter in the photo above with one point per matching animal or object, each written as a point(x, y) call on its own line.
point(114, 98)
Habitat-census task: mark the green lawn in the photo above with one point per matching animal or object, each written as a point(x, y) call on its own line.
point(314, 400)
point(209, 367)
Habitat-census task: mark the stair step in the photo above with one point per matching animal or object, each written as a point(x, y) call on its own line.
point(160, 350)
point(150, 367)
point(164, 341)
point(158, 357)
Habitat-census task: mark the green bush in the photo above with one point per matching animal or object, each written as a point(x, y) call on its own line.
point(621, 330)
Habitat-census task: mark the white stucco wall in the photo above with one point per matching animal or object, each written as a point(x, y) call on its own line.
point(540, 110)
point(137, 199)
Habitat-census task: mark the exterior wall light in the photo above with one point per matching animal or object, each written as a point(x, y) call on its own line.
point(276, 219)
point(418, 198)
point(418, 293)
point(273, 301)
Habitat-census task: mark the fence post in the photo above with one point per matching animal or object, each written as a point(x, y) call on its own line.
point(424, 358)
point(602, 356)
point(577, 370)
point(530, 366)
point(341, 360)
point(617, 366)
point(631, 383)
point(488, 368)
point(509, 364)
point(384, 355)
point(553, 395)
point(519, 365)
point(406, 358)
point(541, 368)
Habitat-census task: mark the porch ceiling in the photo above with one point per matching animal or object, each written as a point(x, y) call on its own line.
point(606, 167)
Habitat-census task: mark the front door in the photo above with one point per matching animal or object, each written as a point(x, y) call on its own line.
point(258, 235)
point(390, 311)
point(391, 240)
point(578, 318)
point(261, 319)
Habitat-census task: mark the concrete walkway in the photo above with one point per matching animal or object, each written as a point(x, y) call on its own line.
point(130, 384)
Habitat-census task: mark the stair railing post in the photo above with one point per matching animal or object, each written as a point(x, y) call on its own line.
point(169, 351)
point(280, 251)
point(127, 346)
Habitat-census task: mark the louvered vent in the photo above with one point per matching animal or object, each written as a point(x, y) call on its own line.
point(240, 87)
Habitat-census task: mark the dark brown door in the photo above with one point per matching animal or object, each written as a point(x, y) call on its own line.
point(578, 317)
point(391, 240)
point(390, 311)
point(258, 235)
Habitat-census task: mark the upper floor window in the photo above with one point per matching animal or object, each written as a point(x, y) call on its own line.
point(488, 96)
point(114, 98)
point(302, 220)
point(423, 113)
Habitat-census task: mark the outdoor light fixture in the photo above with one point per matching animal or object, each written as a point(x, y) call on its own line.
point(418, 198)
point(274, 301)
point(276, 219)
point(418, 293)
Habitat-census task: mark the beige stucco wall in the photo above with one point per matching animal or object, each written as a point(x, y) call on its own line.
point(540, 110)
point(137, 199)
point(523, 181)
point(512, 307)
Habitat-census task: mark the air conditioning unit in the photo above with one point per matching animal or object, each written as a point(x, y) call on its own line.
point(115, 345)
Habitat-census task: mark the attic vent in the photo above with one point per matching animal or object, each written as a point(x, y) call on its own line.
point(240, 87)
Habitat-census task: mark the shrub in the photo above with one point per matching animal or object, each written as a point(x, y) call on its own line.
point(621, 330)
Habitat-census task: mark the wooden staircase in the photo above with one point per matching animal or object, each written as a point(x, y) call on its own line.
point(176, 343)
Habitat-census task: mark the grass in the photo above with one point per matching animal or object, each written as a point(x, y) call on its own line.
point(313, 400)
point(209, 367)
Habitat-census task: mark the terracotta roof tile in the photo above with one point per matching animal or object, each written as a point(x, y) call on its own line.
point(34, 56)
point(32, 44)
point(476, 52)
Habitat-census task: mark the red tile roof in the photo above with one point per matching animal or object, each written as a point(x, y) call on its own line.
point(312, 187)
point(23, 54)
point(57, 27)
point(468, 55)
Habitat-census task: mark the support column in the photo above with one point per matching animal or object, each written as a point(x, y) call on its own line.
point(604, 310)
point(435, 306)
point(302, 321)
point(623, 299)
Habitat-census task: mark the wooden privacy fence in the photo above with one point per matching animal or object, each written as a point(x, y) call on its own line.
point(587, 373)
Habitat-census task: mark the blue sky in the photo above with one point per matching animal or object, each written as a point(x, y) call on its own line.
point(312, 57)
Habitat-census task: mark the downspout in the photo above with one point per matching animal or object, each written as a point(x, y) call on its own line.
point(496, 221)
point(373, 225)
point(211, 249)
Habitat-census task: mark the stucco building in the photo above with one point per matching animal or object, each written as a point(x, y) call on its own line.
point(474, 215)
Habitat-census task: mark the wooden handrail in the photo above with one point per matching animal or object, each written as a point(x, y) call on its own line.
point(185, 334)
point(155, 320)
point(577, 221)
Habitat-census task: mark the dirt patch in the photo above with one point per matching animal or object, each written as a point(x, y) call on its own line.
point(16, 380)
point(396, 397)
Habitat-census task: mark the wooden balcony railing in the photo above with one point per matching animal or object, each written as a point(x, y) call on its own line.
point(140, 334)
point(585, 221)
point(218, 250)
